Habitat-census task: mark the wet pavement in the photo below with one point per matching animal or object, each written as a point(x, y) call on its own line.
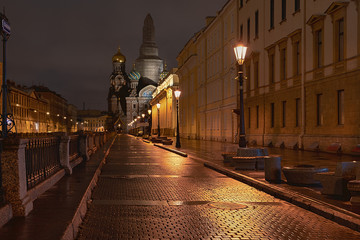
point(211, 151)
point(145, 192)
point(54, 210)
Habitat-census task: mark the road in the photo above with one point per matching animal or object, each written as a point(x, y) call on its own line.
point(145, 192)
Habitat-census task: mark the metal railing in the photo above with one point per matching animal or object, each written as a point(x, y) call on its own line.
point(42, 159)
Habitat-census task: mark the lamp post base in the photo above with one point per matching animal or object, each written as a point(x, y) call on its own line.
point(242, 142)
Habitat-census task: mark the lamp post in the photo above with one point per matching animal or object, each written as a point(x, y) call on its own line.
point(158, 108)
point(7, 121)
point(177, 96)
point(149, 121)
point(240, 52)
point(143, 120)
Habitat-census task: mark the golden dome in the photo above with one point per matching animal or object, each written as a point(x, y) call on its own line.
point(119, 57)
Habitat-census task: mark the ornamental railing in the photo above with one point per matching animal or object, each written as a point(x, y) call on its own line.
point(42, 159)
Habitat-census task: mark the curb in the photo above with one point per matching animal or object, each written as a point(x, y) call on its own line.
point(73, 227)
point(172, 150)
point(328, 211)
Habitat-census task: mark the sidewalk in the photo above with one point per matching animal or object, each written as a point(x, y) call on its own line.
point(309, 197)
point(58, 212)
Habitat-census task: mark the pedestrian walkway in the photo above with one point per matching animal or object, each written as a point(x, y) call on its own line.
point(55, 210)
point(210, 151)
point(145, 192)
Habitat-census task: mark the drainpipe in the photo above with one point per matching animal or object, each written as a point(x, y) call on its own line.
point(303, 101)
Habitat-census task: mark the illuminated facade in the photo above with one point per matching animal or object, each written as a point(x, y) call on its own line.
point(57, 117)
point(29, 109)
point(164, 94)
point(39, 110)
point(92, 120)
point(302, 69)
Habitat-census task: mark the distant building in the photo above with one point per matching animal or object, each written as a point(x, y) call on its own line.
point(39, 110)
point(129, 94)
point(58, 109)
point(29, 109)
point(92, 120)
point(302, 74)
point(72, 115)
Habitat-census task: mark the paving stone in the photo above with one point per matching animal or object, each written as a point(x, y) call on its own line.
point(159, 200)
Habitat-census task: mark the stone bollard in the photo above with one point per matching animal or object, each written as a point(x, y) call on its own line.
point(83, 147)
point(273, 169)
point(14, 176)
point(64, 154)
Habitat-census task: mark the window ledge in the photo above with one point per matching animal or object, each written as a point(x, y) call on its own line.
point(283, 21)
point(296, 12)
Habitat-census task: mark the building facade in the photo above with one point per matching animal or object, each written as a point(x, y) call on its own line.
point(28, 108)
point(164, 94)
point(302, 72)
point(91, 120)
point(38, 110)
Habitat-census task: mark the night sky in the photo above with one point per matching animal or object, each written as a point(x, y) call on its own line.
point(67, 45)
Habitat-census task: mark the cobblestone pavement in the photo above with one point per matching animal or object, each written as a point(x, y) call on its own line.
point(146, 192)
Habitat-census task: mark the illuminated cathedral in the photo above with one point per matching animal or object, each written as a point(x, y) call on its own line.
point(130, 93)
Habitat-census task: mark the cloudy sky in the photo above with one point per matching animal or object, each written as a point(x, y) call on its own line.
point(67, 45)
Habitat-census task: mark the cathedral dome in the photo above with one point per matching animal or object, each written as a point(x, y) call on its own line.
point(119, 57)
point(134, 75)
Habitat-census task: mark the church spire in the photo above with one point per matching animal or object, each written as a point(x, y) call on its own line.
point(148, 30)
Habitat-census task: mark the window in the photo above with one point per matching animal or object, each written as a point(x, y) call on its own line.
point(271, 68)
point(283, 64)
point(319, 115)
point(297, 5)
point(249, 117)
point(241, 32)
point(134, 106)
point(283, 10)
point(297, 112)
point(319, 48)
point(341, 117)
point(256, 74)
point(257, 24)
point(283, 113)
point(271, 14)
point(296, 58)
point(241, 3)
point(248, 30)
point(257, 116)
point(338, 12)
point(272, 109)
point(340, 39)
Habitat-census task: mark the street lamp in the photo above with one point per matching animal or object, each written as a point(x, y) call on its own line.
point(7, 119)
point(240, 52)
point(149, 121)
point(143, 120)
point(158, 108)
point(177, 96)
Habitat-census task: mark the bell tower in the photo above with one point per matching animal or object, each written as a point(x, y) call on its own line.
point(149, 64)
